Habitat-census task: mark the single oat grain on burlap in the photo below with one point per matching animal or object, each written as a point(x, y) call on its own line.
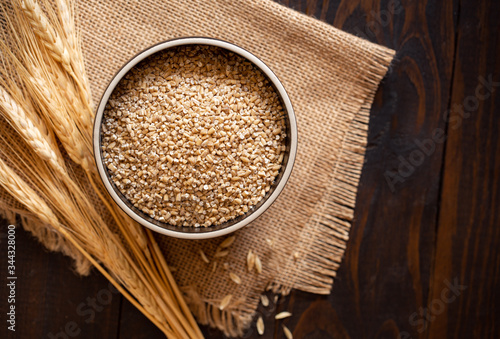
point(331, 78)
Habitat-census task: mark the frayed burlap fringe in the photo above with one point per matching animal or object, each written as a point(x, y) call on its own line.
point(318, 260)
point(229, 320)
point(52, 240)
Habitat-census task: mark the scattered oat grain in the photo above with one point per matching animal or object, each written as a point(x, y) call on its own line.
point(258, 264)
point(264, 300)
point(287, 332)
point(260, 326)
point(282, 315)
point(235, 278)
point(203, 256)
point(228, 242)
point(225, 301)
point(250, 260)
point(220, 254)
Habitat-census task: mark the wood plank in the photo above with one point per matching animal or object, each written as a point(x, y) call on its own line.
point(465, 301)
point(385, 275)
point(134, 324)
point(52, 301)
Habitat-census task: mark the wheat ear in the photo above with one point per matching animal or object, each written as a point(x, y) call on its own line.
point(77, 147)
point(68, 23)
point(83, 114)
point(18, 118)
point(44, 30)
point(70, 59)
point(45, 95)
point(66, 16)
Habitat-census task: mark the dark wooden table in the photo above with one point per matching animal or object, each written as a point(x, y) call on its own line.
point(423, 259)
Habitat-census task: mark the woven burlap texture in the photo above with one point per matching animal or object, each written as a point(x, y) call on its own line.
point(331, 78)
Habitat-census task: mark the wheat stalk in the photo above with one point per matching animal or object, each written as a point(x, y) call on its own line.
point(56, 45)
point(18, 188)
point(167, 276)
point(105, 244)
point(129, 278)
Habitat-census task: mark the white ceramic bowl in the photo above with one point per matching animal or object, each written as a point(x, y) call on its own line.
point(229, 226)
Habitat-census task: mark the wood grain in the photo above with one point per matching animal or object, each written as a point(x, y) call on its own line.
point(51, 300)
point(385, 275)
point(464, 300)
point(134, 324)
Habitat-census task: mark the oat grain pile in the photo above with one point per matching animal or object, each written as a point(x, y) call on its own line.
point(194, 136)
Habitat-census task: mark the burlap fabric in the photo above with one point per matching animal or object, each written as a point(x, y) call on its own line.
point(331, 78)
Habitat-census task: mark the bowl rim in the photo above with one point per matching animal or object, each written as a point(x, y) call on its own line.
point(195, 41)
